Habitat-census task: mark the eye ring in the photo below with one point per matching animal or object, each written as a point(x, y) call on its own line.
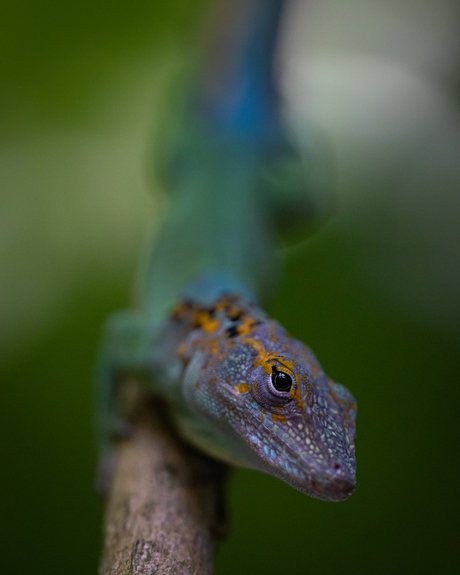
point(281, 381)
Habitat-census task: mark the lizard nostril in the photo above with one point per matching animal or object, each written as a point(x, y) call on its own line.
point(337, 466)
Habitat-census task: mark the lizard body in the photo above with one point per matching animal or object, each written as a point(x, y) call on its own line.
point(239, 386)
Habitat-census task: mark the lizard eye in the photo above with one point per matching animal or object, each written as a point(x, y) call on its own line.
point(281, 381)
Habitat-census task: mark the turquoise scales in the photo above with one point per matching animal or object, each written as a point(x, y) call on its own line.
point(240, 387)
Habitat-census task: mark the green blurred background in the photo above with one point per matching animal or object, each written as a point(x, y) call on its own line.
point(375, 292)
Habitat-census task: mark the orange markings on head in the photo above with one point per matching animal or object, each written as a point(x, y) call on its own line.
point(242, 387)
point(212, 343)
point(181, 350)
point(264, 357)
point(247, 326)
point(207, 342)
point(296, 396)
point(287, 363)
point(255, 344)
point(267, 359)
point(200, 316)
point(234, 311)
point(226, 302)
point(279, 417)
point(206, 321)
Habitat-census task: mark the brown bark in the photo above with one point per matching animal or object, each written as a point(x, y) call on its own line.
point(165, 505)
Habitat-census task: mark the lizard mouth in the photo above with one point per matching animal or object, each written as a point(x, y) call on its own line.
point(326, 488)
point(332, 480)
point(338, 490)
point(336, 483)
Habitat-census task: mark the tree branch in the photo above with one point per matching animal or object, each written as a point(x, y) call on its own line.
point(165, 505)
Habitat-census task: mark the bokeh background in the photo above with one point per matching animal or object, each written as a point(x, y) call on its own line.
point(375, 291)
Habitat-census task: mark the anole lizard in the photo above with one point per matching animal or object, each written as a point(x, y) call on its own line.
point(239, 386)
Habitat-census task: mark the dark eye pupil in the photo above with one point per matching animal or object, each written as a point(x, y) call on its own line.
point(281, 381)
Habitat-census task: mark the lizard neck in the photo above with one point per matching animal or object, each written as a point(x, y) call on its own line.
point(216, 226)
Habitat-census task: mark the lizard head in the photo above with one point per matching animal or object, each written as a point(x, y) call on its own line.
point(267, 392)
point(305, 424)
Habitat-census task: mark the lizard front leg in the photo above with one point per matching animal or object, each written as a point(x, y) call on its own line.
point(126, 349)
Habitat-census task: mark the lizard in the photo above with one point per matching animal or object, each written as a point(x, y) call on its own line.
point(239, 387)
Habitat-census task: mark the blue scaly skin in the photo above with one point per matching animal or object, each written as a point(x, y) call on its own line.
point(240, 387)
